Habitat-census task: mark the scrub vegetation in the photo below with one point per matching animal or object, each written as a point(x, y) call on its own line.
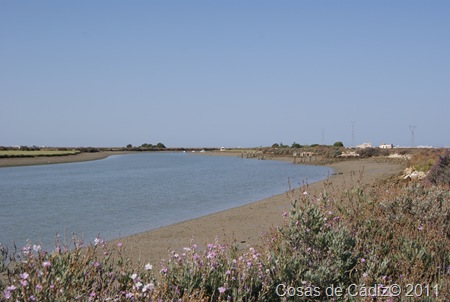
point(365, 240)
point(36, 153)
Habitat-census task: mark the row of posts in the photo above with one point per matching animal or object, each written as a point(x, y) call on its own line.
point(303, 157)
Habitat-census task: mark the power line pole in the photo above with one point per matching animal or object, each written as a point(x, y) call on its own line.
point(412, 128)
point(353, 133)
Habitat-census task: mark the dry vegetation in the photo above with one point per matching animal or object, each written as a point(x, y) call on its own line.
point(36, 153)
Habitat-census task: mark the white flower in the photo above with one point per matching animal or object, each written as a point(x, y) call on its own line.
point(149, 286)
point(148, 267)
point(134, 276)
point(96, 241)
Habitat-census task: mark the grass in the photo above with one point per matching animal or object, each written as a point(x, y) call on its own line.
point(36, 153)
point(354, 244)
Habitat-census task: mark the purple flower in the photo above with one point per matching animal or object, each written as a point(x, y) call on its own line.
point(222, 289)
point(7, 294)
point(24, 276)
point(363, 260)
point(420, 227)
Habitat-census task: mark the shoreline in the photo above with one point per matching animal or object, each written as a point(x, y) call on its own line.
point(51, 160)
point(247, 224)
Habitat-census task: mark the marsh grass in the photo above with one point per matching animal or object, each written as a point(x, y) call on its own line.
point(382, 234)
point(36, 153)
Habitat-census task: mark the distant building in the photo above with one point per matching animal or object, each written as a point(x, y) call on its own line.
point(364, 145)
point(386, 146)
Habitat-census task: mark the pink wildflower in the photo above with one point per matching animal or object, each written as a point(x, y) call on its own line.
point(24, 276)
point(7, 294)
point(46, 264)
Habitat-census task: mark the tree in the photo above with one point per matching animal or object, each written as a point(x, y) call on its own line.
point(338, 144)
point(129, 146)
point(146, 145)
point(160, 146)
point(295, 145)
point(275, 145)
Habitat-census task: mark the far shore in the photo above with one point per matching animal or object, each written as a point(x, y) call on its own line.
point(47, 160)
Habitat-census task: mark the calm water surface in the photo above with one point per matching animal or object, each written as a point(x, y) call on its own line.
point(127, 194)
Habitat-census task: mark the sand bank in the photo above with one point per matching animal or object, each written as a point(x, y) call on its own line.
point(246, 224)
point(44, 160)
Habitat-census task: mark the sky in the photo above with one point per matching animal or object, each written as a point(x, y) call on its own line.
point(224, 73)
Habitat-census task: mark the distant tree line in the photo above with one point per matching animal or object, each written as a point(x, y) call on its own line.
point(296, 145)
point(147, 146)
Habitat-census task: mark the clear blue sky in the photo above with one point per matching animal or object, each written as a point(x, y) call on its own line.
point(224, 73)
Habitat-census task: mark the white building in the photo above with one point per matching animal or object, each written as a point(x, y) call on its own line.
point(364, 145)
point(386, 146)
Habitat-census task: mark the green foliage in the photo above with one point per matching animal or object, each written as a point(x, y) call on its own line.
point(314, 247)
point(147, 146)
point(338, 144)
point(129, 146)
point(295, 145)
point(160, 146)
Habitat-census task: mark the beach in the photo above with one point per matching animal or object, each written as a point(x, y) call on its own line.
point(246, 225)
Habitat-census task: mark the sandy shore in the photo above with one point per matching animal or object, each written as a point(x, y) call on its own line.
point(246, 224)
point(44, 160)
